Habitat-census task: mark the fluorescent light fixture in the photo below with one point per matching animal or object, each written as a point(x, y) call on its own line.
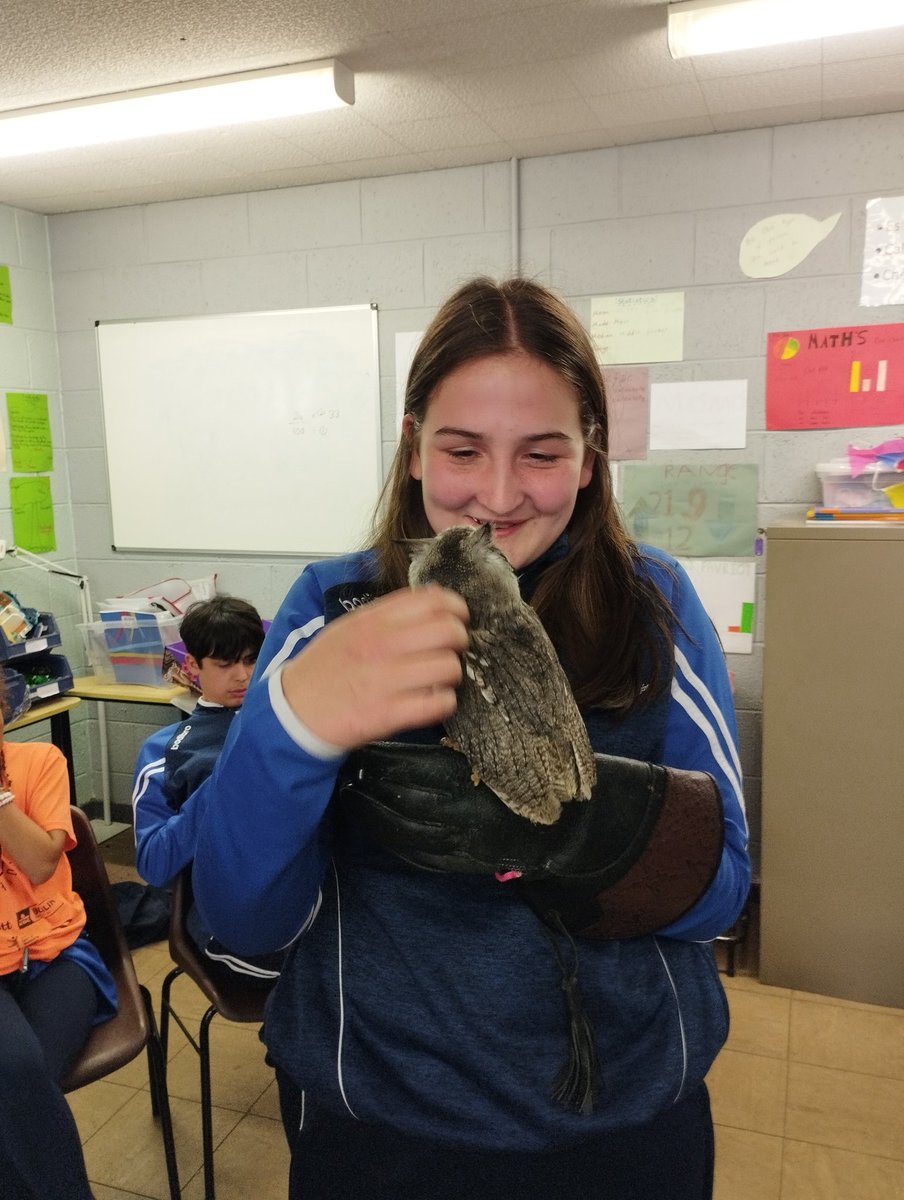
point(178, 108)
point(715, 26)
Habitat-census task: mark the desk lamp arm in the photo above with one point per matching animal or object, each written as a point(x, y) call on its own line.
point(51, 568)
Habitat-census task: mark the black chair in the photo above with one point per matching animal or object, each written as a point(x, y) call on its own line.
point(116, 1042)
point(233, 999)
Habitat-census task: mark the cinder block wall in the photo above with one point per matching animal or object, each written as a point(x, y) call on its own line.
point(658, 216)
point(29, 362)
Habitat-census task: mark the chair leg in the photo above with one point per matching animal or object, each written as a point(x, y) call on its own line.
point(206, 1103)
point(160, 1095)
point(166, 1008)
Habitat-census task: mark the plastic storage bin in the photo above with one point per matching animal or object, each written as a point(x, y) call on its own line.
point(18, 697)
point(36, 673)
point(49, 635)
point(130, 650)
point(841, 490)
point(46, 675)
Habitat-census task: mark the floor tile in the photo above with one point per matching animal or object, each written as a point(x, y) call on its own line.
point(863, 1039)
point(127, 1153)
point(750, 983)
point(748, 1165)
point(760, 1023)
point(238, 1074)
point(839, 1002)
point(150, 959)
point(267, 1105)
point(253, 1161)
point(94, 1105)
point(102, 1192)
point(748, 1092)
point(820, 1173)
point(849, 1111)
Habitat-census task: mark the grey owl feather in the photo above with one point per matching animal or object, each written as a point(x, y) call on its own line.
point(516, 721)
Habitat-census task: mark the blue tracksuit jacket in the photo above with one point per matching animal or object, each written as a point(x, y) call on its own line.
point(431, 1002)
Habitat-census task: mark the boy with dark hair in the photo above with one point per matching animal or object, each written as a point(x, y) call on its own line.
point(222, 639)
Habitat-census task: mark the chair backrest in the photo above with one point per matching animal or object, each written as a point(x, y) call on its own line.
point(117, 1041)
point(233, 999)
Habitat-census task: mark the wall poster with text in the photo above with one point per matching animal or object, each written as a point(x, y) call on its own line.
point(835, 378)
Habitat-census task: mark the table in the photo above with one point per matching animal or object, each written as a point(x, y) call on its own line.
point(57, 712)
point(88, 687)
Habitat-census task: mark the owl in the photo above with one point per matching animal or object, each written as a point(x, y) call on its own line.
point(516, 722)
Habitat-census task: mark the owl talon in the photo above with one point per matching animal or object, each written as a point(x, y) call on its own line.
point(451, 744)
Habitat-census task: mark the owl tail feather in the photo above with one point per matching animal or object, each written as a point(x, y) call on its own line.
point(575, 1084)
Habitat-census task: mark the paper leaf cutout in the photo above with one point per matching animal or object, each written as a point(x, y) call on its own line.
point(779, 243)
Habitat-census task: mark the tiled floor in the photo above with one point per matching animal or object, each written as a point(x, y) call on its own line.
point(122, 1143)
point(808, 1097)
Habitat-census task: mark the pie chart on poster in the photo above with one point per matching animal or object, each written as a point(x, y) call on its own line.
point(785, 347)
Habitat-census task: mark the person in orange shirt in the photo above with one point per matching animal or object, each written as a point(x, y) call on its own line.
point(54, 985)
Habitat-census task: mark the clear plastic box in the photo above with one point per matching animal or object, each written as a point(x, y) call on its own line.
point(128, 651)
point(841, 490)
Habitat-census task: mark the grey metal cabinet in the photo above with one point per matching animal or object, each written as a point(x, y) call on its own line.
point(832, 872)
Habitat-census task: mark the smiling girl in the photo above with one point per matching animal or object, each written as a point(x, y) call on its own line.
point(419, 1020)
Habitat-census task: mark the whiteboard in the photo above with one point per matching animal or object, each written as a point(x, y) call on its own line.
point(256, 433)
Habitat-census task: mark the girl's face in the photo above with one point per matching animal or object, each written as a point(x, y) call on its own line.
point(502, 443)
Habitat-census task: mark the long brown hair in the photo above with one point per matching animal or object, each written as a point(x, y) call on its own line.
point(609, 622)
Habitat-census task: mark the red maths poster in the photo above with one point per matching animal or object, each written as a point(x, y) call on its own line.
point(835, 378)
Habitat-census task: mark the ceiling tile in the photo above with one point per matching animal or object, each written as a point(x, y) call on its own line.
point(749, 93)
point(437, 85)
point(538, 120)
point(649, 104)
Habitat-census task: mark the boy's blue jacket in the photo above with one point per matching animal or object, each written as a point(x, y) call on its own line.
point(171, 764)
point(431, 1002)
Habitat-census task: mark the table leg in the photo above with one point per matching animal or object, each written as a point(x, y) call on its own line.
point(61, 736)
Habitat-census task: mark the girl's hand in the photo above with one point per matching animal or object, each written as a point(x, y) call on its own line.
point(392, 665)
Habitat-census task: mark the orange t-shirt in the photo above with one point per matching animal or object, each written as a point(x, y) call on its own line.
point(45, 917)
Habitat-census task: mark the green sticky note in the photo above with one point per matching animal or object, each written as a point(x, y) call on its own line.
point(746, 617)
point(29, 431)
point(6, 297)
point(32, 508)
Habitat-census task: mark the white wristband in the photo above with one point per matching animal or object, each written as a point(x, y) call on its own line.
point(6, 798)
